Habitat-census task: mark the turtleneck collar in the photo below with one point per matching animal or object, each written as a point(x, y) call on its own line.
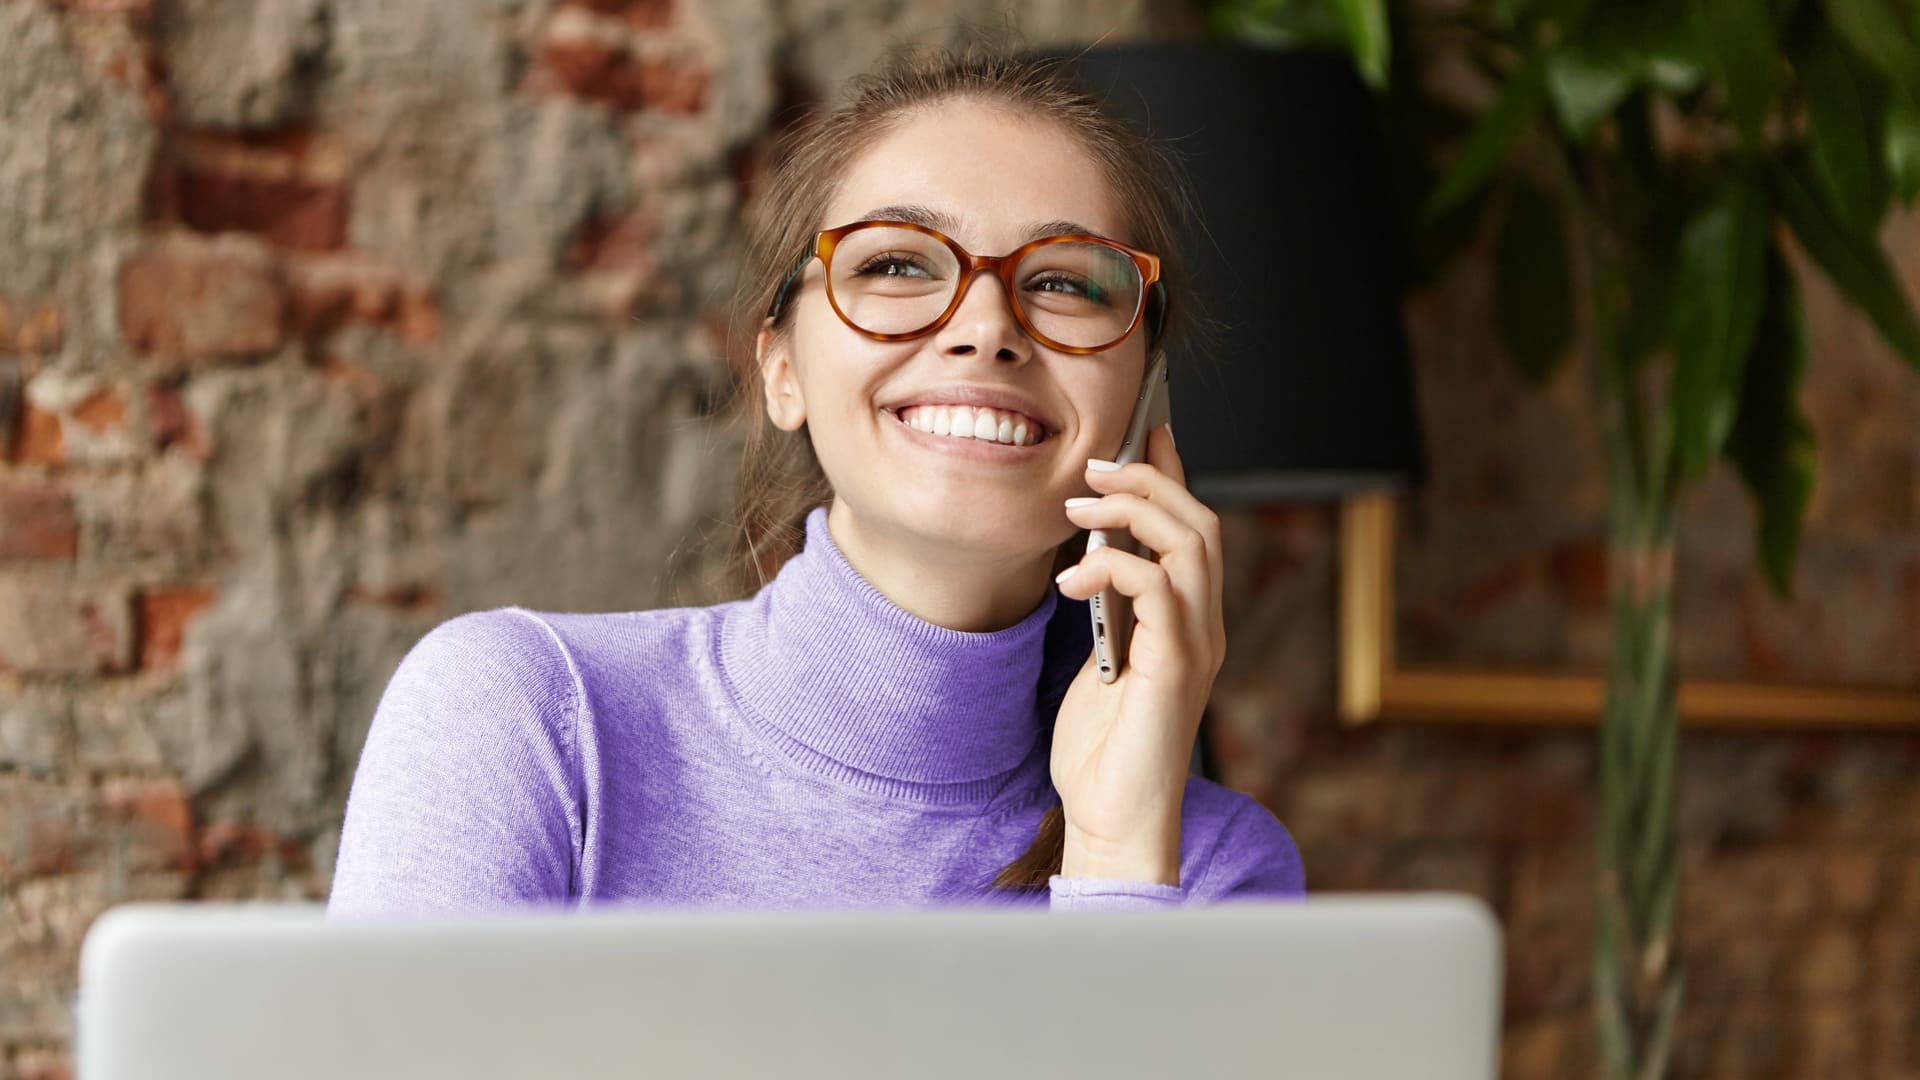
point(854, 687)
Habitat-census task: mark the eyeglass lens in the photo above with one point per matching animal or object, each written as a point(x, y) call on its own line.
point(897, 281)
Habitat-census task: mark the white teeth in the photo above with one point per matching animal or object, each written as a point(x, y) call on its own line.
point(966, 422)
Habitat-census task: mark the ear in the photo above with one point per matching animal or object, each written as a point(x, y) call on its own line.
point(785, 405)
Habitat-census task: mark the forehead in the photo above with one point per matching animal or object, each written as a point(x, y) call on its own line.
point(996, 174)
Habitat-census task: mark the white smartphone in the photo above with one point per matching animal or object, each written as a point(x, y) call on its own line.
point(1111, 610)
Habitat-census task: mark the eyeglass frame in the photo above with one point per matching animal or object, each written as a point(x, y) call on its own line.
point(1151, 306)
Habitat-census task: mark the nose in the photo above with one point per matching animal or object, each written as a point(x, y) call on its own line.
point(984, 322)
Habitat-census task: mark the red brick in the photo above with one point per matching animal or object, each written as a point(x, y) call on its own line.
point(1507, 581)
point(413, 599)
point(1832, 1042)
point(1339, 801)
point(1547, 968)
point(12, 387)
point(222, 297)
point(601, 72)
point(1905, 871)
point(44, 846)
point(1895, 1026)
point(56, 629)
point(1831, 964)
point(40, 439)
point(1912, 583)
point(31, 327)
point(1537, 1048)
point(109, 37)
point(164, 615)
point(330, 291)
point(1736, 966)
point(1581, 570)
point(1895, 959)
point(160, 816)
point(608, 243)
point(1754, 890)
point(244, 843)
point(37, 521)
point(640, 14)
point(170, 423)
point(103, 411)
point(286, 210)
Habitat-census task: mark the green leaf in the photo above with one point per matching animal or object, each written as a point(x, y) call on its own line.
point(1843, 113)
point(1772, 444)
point(1738, 38)
point(1365, 22)
point(1492, 137)
point(1284, 24)
point(1644, 324)
point(1586, 84)
point(1900, 142)
point(1879, 31)
point(1852, 260)
point(1532, 295)
point(1716, 305)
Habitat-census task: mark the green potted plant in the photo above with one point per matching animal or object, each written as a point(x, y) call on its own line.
point(1645, 164)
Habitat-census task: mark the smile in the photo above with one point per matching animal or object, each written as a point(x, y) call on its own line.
point(967, 446)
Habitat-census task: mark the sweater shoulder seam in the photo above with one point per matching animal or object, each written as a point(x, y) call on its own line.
point(579, 710)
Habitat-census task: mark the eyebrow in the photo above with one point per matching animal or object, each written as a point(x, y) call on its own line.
point(946, 223)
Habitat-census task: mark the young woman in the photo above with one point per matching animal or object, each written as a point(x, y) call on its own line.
point(907, 713)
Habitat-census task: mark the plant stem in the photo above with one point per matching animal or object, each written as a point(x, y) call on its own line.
point(1636, 975)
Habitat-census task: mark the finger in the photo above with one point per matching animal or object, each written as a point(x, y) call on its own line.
point(1144, 583)
point(1144, 479)
point(1193, 570)
point(1149, 481)
point(1179, 546)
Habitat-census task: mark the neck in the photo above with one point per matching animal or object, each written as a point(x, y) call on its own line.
point(935, 583)
point(848, 685)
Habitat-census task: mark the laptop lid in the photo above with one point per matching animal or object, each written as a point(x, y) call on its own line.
point(1361, 986)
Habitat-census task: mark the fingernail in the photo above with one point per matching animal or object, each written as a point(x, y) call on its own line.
point(1170, 438)
point(1082, 501)
point(1102, 465)
point(1062, 576)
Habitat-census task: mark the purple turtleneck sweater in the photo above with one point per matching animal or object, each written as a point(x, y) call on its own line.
point(814, 745)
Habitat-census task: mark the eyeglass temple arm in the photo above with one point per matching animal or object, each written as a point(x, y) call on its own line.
point(1157, 308)
point(780, 297)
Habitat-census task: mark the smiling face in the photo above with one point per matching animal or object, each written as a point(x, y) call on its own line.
point(992, 180)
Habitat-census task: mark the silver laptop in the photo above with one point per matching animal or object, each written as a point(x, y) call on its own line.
point(1369, 986)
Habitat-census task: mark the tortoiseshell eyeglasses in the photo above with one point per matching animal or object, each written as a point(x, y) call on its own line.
point(896, 280)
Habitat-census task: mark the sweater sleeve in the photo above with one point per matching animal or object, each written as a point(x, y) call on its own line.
point(1109, 894)
point(465, 798)
point(1253, 859)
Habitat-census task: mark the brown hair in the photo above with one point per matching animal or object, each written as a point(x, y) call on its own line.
point(781, 480)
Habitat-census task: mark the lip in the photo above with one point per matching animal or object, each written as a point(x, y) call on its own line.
point(992, 397)
point(966, 449)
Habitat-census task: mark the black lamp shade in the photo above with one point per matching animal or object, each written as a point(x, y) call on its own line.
point(1305, 389)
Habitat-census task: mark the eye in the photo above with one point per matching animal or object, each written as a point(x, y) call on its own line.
point(893, 264)
point(1067, 285)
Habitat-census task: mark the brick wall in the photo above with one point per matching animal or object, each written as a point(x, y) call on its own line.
point(320, 322)
point(323, 321)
